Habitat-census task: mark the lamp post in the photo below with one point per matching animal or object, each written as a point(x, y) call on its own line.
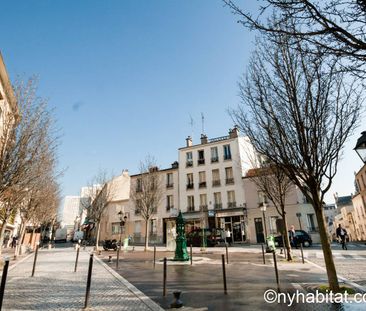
point(263, 209)
point(122, 222)
point(361, 147)
point(298, 215)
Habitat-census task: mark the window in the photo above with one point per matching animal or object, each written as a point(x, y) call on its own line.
point(169, 202)
point(189, 159)
point(190, 181)
point(169, 180)
point(153, 226)
point(202, 179)
point(227, 152)
point(138, 207)
point(311, 223)
point(262, 198)
point(273, 224)
point(214, 155)
point(215, 177)
point(203, 201)
point(139, 185)
point(116, 228)
point(231, 199)
point(229, 175)
point(138, 227)
point(201, 157)
point(190, 203)
point(217, 200)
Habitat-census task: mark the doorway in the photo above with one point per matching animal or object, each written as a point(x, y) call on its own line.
point(259, 230)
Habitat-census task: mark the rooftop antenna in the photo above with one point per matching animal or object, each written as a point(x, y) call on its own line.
point(203, 123)
point(191, 122)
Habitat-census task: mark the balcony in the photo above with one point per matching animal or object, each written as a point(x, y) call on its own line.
point(203, 208)
point(189, 163)
point(202, 184)
point(201, 161)
point(229, 181)
point(190, 208)
point(168, 186)
point(231, 204)
point(218, 205)
point(216, 183)
point(190, 186)
point(214, 159)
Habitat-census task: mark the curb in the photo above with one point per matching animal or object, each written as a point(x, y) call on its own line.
point(20, 261)
point(146, 300)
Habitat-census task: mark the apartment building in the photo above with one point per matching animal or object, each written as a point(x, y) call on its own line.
point(210, 182)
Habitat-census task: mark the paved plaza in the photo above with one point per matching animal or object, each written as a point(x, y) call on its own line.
point(55, 286)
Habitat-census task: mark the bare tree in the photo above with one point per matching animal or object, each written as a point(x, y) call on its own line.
point(336, 27)
point(147, 192)
point(26, 144)
point(275, 185)
point(100, 192)
point(298, 110)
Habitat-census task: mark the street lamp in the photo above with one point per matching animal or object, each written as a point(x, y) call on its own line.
point(122, 222)
point(361, 147)
point(298, 215)
point(263, 210)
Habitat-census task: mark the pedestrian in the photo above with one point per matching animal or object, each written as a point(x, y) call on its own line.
point(14, 241)
point(228, 236)
point(342, 234)
point(292, 236)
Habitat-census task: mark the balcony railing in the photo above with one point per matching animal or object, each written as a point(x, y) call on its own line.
point(229, 181)
point(202, 184)
point(189, 163)
point(214, 159)
point(203, 208)
point(171, 185)
point(218, 205)
point(201, 161)
point(212, 140)
point(190, 186)
point(190, 208)
point(231, 204)
point(227, 156)
point(216, 183)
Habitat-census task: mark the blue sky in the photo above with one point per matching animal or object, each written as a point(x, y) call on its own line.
point(125, 76)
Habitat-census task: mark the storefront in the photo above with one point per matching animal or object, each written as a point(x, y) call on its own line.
point(235, 222)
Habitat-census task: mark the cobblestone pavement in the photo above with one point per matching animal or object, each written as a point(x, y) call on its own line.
point(55, 286)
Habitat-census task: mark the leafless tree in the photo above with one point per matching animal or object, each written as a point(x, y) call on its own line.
point(26, 145)
point(147, 192)
point(275, 185)
point(298, 110)
point(100, 192)
point(336, 27)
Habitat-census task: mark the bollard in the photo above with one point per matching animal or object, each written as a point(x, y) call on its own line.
point(35, 260)
point(164, 278)
point(154, 255)
point(177, 303)
point(109, 258)
point(284, 247)
point(3, 281)
point(117, 261)
point(264, 258)
point(88, 282)
point(84, 245)
point(302, 253)
point(224, 273)
point(227, 254)
point(191, 253)
point(276, 270)
point(77, 258)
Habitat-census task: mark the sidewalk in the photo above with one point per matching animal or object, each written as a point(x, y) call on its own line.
point(55, 286)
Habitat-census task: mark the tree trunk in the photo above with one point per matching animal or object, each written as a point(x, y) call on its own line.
point(327, 251)
point(285, 235)
point(97, 238)
point(2, 233)
point(20, 238)
point(146, 235)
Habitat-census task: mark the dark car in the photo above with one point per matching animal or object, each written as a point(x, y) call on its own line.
point(301, 237)
point(212, 237)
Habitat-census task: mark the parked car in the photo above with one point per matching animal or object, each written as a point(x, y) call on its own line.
point(213, 237)
point(110, 244)
point(301, 237)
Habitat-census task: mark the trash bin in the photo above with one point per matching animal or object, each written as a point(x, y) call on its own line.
point(125, 244)
point(270, 244)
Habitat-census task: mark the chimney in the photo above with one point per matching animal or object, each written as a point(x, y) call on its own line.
point(234, 132)
point(204, 139)
point(189, 141)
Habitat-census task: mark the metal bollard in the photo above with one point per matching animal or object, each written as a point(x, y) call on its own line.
point(88, 282)
point(3, 281)
point(224, 273)
point(302, 253)
point(35, 260)
point(109, 258)
point(177, 303)
point(264, 257)
point(227, 254)
point(117, 261)
point(77, 258)
point(164, 278)
point(284, 246)
point(154, 255)
point(191, 254)
point(276, 270)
